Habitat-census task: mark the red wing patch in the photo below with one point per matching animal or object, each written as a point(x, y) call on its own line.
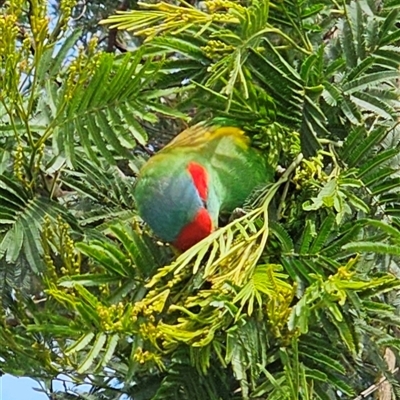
point(195, 231)
point(200, 179)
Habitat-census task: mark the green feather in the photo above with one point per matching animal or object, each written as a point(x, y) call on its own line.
point(235, 169)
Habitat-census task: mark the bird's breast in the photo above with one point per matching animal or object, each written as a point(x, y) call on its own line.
point(195, 231)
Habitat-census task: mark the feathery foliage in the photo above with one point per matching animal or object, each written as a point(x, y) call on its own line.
point(296, 299)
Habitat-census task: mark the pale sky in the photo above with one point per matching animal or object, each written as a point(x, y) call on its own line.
point(12, 388)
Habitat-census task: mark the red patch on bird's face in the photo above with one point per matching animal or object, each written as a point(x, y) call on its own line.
point(195, 231)
point(200, 179)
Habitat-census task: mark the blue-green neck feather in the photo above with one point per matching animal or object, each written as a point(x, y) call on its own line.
point(171, 203)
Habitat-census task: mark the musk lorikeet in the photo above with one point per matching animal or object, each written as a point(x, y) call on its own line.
point(201, 173)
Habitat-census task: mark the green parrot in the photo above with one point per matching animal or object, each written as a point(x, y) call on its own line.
point(203, 172)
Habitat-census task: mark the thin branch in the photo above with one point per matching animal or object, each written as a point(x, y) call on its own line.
point(84, 8)
point(113, 43)
point(385, 390)
point(373, 388)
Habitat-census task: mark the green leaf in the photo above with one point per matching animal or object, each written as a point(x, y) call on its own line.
point(93, 353)
point(372, 247)
point(323, 234)
point(80, 344)
point(109, 350)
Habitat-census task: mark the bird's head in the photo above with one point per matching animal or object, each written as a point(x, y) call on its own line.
point(174, 201)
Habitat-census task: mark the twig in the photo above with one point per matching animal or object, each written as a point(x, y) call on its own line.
point(282, 200)
point(112, 36)
point(373, 388)
point(385, 391)
point(84, 8)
